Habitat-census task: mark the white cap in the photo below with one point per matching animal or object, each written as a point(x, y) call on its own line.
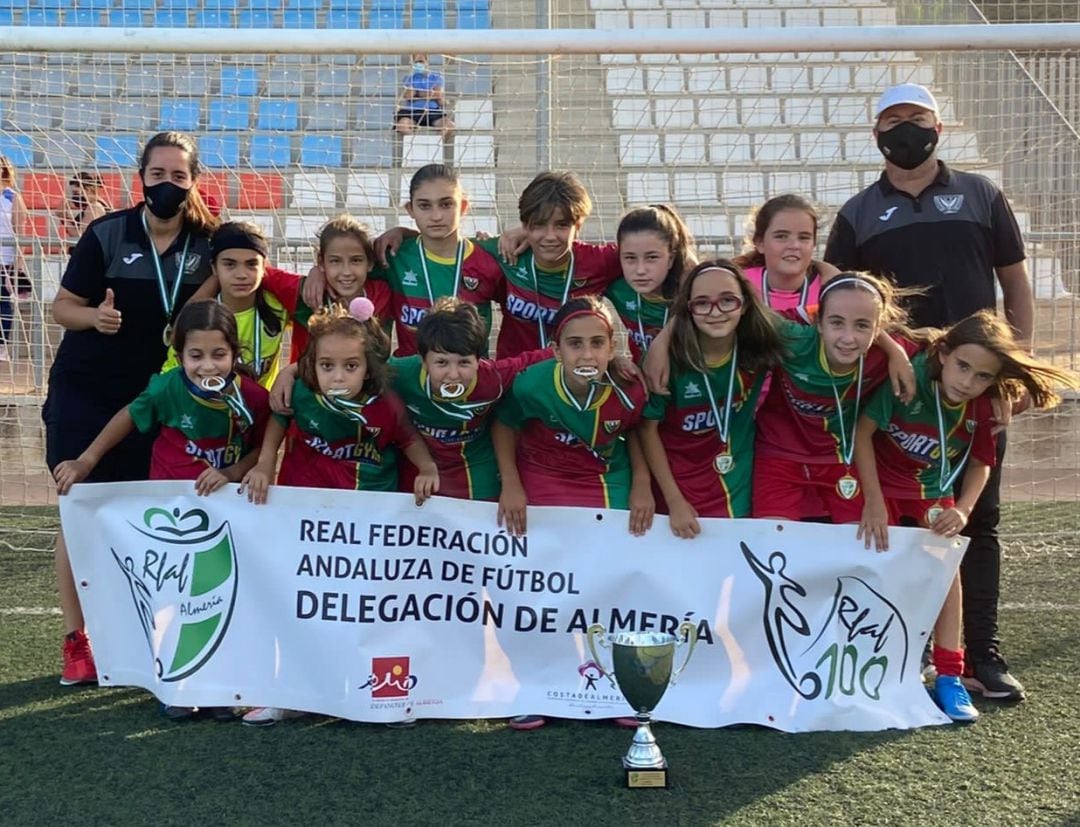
point(911, 93)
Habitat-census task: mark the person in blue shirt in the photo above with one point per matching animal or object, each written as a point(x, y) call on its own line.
point(422, 101)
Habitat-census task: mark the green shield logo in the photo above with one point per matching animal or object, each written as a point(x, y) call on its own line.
point(183, 584)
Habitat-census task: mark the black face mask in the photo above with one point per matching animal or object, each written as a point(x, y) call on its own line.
point(164, 200)
point(907, 144)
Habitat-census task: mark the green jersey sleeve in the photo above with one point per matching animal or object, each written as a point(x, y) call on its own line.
point(147, 409)
point(881, 406)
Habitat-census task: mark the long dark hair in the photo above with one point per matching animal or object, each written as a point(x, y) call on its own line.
point(760, 343)
point(196, 214)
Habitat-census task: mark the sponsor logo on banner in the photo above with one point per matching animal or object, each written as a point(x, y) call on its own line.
point(949, 204)
point(593, 689)
point(182, 585)
point(861, 646)
point(390, 678)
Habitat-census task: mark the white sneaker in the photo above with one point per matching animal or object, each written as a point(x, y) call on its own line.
point(4, 355)
point(269, 715)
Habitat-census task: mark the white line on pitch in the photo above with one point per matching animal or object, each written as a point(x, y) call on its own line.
point(30, 611)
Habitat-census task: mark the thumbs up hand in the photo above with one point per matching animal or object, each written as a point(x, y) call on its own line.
point(107, 320)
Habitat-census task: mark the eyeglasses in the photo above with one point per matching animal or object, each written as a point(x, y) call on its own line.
point(727, 303)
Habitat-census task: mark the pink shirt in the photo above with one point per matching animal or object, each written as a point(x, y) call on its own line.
point(784, 299)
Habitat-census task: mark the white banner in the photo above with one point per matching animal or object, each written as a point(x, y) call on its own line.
point(363, 606)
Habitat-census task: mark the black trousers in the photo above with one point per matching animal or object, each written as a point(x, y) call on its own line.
point(980, 571)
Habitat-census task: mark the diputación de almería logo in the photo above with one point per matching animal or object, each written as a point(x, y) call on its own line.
point(183, 577)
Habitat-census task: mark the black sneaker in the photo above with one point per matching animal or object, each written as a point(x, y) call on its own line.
point(990, 678)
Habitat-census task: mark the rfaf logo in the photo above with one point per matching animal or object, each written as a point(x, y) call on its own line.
point(390, 678)
point(183, 584)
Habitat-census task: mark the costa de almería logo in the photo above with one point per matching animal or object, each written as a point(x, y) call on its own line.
point(182, 575)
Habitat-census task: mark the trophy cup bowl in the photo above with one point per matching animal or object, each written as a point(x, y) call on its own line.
point(643, 665)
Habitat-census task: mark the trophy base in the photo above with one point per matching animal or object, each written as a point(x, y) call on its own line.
point(637, 778)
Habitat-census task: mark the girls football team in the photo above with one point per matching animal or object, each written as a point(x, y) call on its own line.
point(787, 379)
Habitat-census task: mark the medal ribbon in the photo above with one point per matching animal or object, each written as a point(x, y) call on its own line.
point(346, 407)
point(947, 474)
point(847, 449)
point(641, 324)
point(723, 426)
point(459, 258)
point(168, 298)
point(804, 294)
point(536, 290)
point(230, 395)
point(256, 341)
point(464, 411)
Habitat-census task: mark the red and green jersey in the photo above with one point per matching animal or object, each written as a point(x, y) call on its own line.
point(326, 448)
point(568, 456)
point(195, 433)
point(799, 419)
point(457, 432)
point(533, 296)
point(907, 445)
point(287, 288)
point(417, 281)
point(260, 350)
point(643, 316)
point(715, 476)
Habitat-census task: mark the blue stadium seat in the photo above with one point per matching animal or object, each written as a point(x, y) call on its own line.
point(373, 149)
point(7, 17)
point(182, 115)
point(343, 19)
point(279, 115)
point(477, 19)
point(116, 150)
point(386, 19)
point(320, 151)
point(42, 17)
point(230, 113)
point(83, 17)
point(214, 19)
point(219, 5)
point(473, 5)
point(331, 82)
point(52, 4)
point(299, 19)
point(428, 19)
point(263, 5)
point(126, 18)
point(220, 151)
point(259, 19)
point(179, 5)
point(304, 5)
point(346, 5)
point(164, 19)
point(19, 149)
point(96, 5)
point(139, 5)
point(269, 151)
point(242, 81)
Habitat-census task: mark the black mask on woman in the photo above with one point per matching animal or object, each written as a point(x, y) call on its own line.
point(907, 144)
point(165, 200)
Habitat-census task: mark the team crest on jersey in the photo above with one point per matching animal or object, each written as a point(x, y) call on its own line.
point(612, 425)
point(470, 282)
point(374, 430)
point(191, 265)
point(949, 204)
point(410, 279)
point(580, 283)
point(970, 425)
point(692, 391)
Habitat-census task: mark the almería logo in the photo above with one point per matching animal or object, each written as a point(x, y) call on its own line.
point(183, 580)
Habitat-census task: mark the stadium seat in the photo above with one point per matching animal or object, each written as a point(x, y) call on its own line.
point(260, 191)
point(239, 81)
point(378, 80)
point(432, 19)
point(639, 150)
point(27, 115)
point(304, 5)
point(41, 226)
point(303, 228)
point(648, 188)
point(171, 19)
point(53, 82)
point(386, 19)
point(84, 115)
point(61, 150)
point(343, 19)
point(320, 150)
point(284, 82)
point(229, 114)
point(42, 17)
point(125, 18)
point(326, 116)
point(180, 5)
point(314, 189)
point(420, 149)
point(368, 190)
point(218, 5)
point(218, 185)
point(377, 113)
point(192, 81)
point(685, 148)
point(214, 19)
point(7, 17)
point(477, 114)
point(270, 151)
point(86, 18)
point(278, 115)
point(694, 189)
point(472, 150)
point(745, 189)
point(373, 149)
point(478, 19)
point(44, 190)
point(220, 151)
point(299, 19)
point(331, 82)
point(254, 19)
point(184, 115)
point(116, 150)
point(346, 5)
point(727, 148)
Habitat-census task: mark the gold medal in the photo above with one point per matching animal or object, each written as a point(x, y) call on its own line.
point(166, 335)
point(847, 486)
point(723, 463)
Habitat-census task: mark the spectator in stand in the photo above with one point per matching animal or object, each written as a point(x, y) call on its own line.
point(14, 285)
point(85, 203)
point(423, 100)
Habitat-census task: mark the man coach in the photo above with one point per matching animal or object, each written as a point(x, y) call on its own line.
point(951, 233)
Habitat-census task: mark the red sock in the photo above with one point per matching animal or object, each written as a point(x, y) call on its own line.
point(948, 662)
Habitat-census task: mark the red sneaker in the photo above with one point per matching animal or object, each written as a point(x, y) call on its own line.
point(78, 660)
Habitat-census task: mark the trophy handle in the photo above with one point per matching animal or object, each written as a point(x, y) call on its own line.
point(689, 631)
point(597, 630)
